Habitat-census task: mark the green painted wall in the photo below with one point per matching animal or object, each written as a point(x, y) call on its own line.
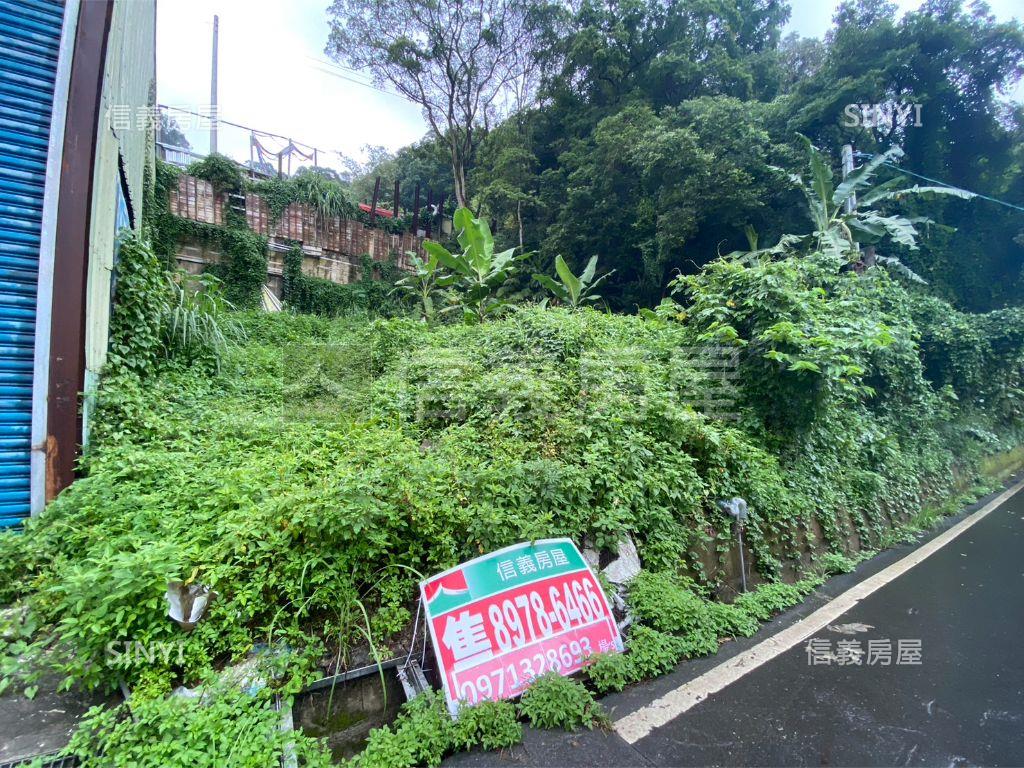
point(124, 139)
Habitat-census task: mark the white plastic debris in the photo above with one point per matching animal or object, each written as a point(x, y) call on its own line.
point(187, 604)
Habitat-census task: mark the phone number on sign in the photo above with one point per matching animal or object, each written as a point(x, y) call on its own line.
point(527, 617)
point(508, 680)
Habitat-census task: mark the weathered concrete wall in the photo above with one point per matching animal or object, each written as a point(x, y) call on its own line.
point(332, 248)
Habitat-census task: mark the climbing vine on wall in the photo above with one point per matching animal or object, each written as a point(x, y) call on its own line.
point(243, 266)
point(135, 322)
point(372, 294)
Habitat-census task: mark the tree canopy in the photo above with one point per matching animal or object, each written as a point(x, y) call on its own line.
point(660, 131)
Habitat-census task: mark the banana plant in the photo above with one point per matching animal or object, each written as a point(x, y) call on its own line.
point(844, 216)
point(479, 273)
point(572, 291)
point(427, 278)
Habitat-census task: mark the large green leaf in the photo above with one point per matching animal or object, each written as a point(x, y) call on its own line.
point(556, 288)
point(569, 280)
point(821, 183)
point(588, 273)
point(865, 231)
point(899, 229)
point(900, 194)
point(449, 260)
point(861, 177)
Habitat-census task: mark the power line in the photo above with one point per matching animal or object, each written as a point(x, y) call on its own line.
point(254, 130)
point(943, 183)
point(328, 68)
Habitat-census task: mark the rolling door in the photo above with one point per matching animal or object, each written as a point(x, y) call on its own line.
point(29, 42)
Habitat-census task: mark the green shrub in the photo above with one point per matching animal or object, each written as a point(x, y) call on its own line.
point(371, 295)
point(768, 600)
point(421, 735)
point(663, 601)
point(608, 671)
point(731, 620)
point(221, 171)
point(195, 325)
point(651, 653)
point(225, 728)
point(553, 701)
point(832, 563)
point(489, 724)
point(135, 322)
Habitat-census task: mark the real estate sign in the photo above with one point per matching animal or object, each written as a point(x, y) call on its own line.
point(500, 620)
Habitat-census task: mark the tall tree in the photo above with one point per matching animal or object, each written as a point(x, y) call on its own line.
point(467, 63)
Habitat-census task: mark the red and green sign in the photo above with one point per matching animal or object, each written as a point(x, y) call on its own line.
point(501, 620)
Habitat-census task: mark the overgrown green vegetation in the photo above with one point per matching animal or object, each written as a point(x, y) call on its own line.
point(436, 443)
point(659, 131)
point(311, 466)
point(242, 269)
point(227, 727)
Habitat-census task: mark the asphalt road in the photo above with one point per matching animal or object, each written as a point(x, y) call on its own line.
point(959, 703)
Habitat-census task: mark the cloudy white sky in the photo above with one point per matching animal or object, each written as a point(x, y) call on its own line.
point(274, 76)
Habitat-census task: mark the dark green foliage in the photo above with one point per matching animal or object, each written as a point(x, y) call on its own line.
point(553, 701)
point(371, 295)
point(327, 197)
point(955, 63)
point(731, 620)
point(832, 563)
point(221, 171)
point(426, 445)
point(663, 129)
point(244, 266)
point(664, 601)
point(608, 671)
point(768, 599)
point(974, 355)
point(489, 724)
point(651, 653)
point(195, 327)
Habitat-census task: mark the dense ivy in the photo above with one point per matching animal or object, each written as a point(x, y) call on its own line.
point(135, 323)
point(372, 294)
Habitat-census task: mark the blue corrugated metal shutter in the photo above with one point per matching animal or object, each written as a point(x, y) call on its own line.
point(29, 42)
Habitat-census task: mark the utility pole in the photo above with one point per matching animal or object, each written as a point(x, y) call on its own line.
point(867, 259)
point(213, 87)
point(847, 154)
